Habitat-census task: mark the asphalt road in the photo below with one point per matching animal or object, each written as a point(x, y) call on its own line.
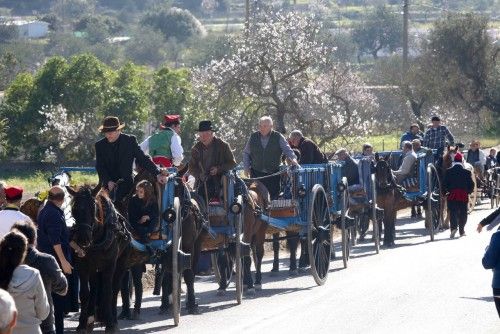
point(417, 287)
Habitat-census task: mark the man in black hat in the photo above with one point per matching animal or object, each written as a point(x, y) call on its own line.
point(435, 137)
point(115, 156)
point(211, 157)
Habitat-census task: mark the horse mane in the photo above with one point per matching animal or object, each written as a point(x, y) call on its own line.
point(261, 191)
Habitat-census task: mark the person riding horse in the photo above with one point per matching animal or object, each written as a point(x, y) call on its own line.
point(165, 146)
point(115, 156)
point(211, 157)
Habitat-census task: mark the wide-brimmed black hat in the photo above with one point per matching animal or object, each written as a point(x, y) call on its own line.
point(206, 126)
point(111, 123)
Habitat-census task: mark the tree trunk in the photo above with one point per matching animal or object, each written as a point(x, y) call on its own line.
point(280, 121)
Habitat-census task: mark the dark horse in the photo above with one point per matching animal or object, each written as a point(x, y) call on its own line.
point(389, 198)
point(191, 229)
point(108, 252)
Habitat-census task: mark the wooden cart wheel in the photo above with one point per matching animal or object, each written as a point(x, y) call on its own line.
point(176, 273)
point(433, 215)
point(376, 232)
point(319, 237)
point(346, 243)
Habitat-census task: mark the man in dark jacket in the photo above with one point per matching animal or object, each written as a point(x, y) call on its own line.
point(309, 151)
point(458, 184)
point(350, 169)
point(491, 260)
point(53, 278)
point(211, 157)
point(115, 156)
point(411, 135)
point(53, 239)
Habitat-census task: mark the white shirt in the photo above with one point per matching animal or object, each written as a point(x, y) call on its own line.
point(8, 217)
point(175, 148)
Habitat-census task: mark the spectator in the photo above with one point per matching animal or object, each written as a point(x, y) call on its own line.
point(458, 184)
point(53, 239)
point(23, 283)
point(435, 137)
point(8, 312)
point(309, 151)
point(11, 214)
point(491, 159)
point(53, 278)
point(411, 135)
point(491, 260)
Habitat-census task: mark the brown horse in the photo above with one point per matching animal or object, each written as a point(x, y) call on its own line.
point(31, 207)
point(254, 232)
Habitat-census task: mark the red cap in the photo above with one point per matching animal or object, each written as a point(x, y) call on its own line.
point(13, 193)
point(169, 120)
point(458, 157)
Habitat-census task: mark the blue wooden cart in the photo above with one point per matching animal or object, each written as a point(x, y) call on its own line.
point(312, 202)
point(223, 235)
point(170, 228)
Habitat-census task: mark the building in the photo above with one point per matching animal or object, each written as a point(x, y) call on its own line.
point(30, 29)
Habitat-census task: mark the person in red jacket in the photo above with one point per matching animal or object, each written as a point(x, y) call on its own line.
point(458, 184)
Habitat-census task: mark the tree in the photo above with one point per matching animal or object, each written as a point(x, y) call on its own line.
point(149, 51)
point(27, 6)
point(380, 29)
point(172, 93)
point(282, 69)
point(174, 23)
point(9, 68)
point(3, 136)
point(465, 61)
point(99, 27)
point(8, 33)
point(129, 98)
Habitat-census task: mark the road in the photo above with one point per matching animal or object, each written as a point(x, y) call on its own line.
point(417, 287)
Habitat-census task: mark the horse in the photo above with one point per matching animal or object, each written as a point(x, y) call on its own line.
point(105, 241)
point(254, 232)
point(191, 227)
point(389, 198)
point(31, 207)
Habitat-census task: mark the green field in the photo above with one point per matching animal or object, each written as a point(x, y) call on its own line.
point(35, 181)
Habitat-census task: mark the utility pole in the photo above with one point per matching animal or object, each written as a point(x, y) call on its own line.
point(405, 35)
point(247, 15)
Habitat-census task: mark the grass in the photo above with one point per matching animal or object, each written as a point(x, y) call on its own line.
point(35, 181)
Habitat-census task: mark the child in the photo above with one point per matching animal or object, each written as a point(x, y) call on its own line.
point(143, 210)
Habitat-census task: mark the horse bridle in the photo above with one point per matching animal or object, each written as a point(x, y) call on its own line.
point(388, 184)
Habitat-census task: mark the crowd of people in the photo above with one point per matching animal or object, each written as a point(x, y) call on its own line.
point(37, 281)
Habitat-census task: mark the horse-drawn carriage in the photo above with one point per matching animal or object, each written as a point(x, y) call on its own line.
point(312, 202)
point(223, 234)
point(422, 187)
point(167, 235)
point(362, 208)
point(493, 186)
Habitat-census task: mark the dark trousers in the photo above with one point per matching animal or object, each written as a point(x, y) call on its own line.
point(59, 308)
point(272, 183)
point(496, 297)
point(458, 215)
point(136, 272)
